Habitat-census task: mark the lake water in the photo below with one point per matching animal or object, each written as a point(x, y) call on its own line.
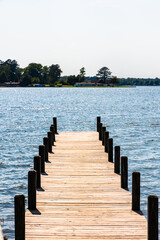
point(132, 116)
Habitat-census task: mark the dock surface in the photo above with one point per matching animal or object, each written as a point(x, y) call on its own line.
point(81, 197)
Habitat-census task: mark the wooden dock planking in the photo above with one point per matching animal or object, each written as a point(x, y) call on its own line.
point(82, 197)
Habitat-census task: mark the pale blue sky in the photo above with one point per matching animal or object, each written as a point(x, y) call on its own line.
point(123, 35)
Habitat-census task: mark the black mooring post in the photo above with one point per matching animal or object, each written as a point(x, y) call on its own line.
point(53, 133)
point(124, 172)
point(42, 155)
point(46, 144)
point(136, 191)
point(50, 137)
point(117, 159)
point(152, 217)
point(110, 149)
point(98, 122)
point(106, 136)
point(37, 167)
point(19, 210)
point(53, 130)
point(103, 131)
point(32, 185)
point(100, 131)
point(55, 124)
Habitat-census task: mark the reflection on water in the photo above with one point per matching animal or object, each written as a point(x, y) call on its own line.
point(132, 116)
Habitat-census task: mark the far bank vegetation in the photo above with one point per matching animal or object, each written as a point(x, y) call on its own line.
point(35, 74)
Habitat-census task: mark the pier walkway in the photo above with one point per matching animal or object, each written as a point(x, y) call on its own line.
point(81, 196)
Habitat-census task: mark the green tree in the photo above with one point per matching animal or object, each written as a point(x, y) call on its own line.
point(81, 75)
point(11, 69)
point(3, 77)
point(157, 81)
point(14, 74)
point(72, 79)
point(54, 73)
point(45, 73)
point(104, 74)
point(34, 70)
point(26, 80)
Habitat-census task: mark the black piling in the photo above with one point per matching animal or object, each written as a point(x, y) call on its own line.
point(152, 217)
point(53, 133)
point(100, 131)
point(124, 172)
point(53, 130)
point(42, 155)
point(55, 124)
point(103, 133)
point(110, 149)
point(19, 210)
point(117, 159)
point(136, 191)
point(50, 137)
point(106, 136)
point(98, 122)
point(46, 144)
point(37, 167)
point(32, 185)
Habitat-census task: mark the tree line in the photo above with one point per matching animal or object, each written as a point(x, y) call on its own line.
point(36, 73)
point(33, 73)
point(140, 81)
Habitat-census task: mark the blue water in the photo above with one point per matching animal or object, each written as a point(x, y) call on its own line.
point(132, 116)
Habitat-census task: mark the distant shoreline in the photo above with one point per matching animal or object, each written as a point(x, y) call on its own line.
point(125, 86)
point(68, 86)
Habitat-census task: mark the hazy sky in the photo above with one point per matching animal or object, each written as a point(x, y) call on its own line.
point(123, 35)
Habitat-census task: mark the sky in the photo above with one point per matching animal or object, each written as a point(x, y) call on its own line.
point(123, 35)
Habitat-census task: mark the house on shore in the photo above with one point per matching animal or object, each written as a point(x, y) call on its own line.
point(100, 82)
point(84, 84)
point(10, 84)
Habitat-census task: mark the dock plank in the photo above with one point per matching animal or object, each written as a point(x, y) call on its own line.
point(82, 197)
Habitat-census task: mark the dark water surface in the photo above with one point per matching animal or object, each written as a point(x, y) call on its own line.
point(132, 116)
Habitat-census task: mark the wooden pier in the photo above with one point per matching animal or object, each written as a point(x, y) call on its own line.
point(81, 196)
point(78, 191)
